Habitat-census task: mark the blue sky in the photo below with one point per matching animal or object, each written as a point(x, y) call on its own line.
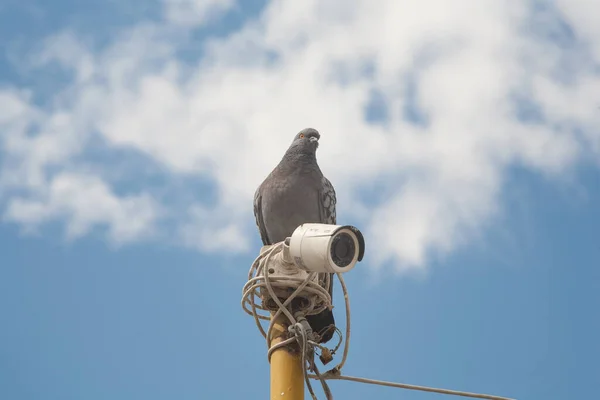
point(463, 141)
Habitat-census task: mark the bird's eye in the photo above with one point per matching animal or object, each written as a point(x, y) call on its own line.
point(302, 136)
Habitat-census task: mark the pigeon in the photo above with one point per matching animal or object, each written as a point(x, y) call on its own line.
point(296, 192)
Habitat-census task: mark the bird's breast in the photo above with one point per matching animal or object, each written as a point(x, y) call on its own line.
point(288, 206)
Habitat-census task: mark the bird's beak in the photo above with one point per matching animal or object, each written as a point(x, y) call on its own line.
point(314, 139)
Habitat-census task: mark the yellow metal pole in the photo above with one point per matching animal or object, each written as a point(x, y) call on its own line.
point(287, 379)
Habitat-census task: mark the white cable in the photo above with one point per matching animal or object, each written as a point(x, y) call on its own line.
point(328, 376)
point(303, 341)
point(279, 345)
point(347, 341)
point(324, 384)
point(258, 278)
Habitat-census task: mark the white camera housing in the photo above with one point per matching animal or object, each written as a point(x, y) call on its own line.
point(326, 248)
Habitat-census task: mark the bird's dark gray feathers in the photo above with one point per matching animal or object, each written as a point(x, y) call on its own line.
point(259, 219)
point(296, 192)
point(328, 202)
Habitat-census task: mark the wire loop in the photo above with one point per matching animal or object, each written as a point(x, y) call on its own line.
point(253, 303)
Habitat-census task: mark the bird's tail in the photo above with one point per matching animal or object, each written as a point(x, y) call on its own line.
point(324, 323)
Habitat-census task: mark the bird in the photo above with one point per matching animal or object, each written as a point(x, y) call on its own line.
point(294, 193)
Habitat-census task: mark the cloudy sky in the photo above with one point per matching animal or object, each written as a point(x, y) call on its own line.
point(462, 138)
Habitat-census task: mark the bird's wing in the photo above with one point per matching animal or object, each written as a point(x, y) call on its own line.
point(260, 222)
point(327, 202)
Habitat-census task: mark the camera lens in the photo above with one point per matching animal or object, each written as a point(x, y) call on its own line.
point(342, 250)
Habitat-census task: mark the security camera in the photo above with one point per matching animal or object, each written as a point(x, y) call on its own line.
point(326, 248)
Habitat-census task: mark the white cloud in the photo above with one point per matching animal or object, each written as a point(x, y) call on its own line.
point(229, 116)
point(209, 232)
point(86, 201)
point(195, 11)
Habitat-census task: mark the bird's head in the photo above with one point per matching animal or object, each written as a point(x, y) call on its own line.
point(305, 142)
